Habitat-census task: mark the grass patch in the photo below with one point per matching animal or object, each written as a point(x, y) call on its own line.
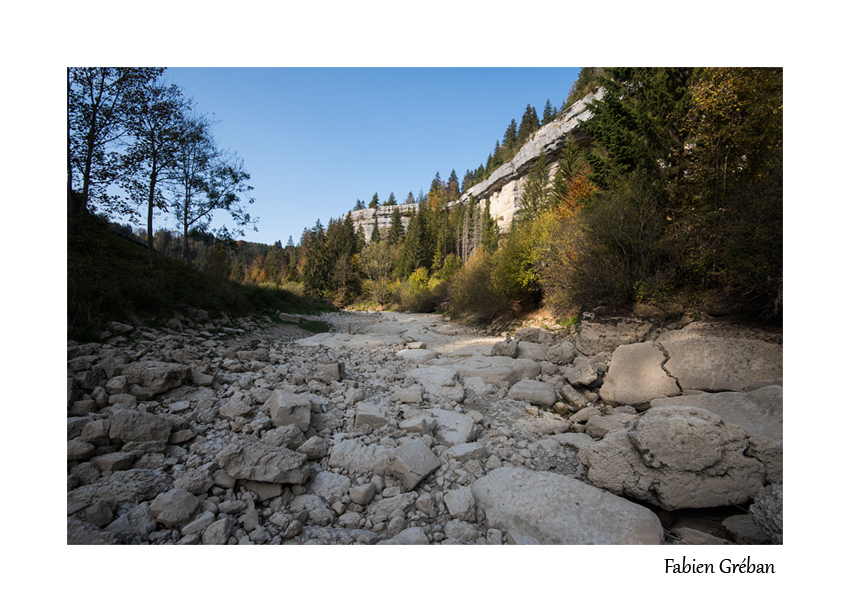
point(109, 279)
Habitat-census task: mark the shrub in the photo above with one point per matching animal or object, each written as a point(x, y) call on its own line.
point(472, 291)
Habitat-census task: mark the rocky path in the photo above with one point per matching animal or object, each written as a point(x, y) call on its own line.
point(407, 429)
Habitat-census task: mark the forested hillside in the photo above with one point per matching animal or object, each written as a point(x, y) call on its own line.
point(677, 203)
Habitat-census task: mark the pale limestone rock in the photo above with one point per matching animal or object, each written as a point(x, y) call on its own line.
point(286, 408)
point(359, 458)
point(637, 375)
point(263, 462)
point(533, 392)
point(174, 508)
point(372, 414)
point(555, 509)
point(724, 364)
point(452, 427)
point(123, 489)
point(676, 458)
point(362, 494)
point(460, 503)
point(439, 382)
point(412, 462)
point(130, 426)
point(157, 376)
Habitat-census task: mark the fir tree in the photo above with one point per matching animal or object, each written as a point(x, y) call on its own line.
point(528, 124)
point(548, 113)
point(374, 201)
point(391, 201)
point(376, 231)
point(396, 232)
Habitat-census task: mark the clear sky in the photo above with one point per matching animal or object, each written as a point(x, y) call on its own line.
point(315, 140)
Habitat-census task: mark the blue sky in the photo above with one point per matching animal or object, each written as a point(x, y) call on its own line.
point(315, 140)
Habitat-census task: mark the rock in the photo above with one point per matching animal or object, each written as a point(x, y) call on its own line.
point(723, 364)
point(531, 350)
point(562, 353)
point(418, 355)
point(533, 392)
point(122, 490)
point(196, 481)
point(199, 524)
point(575, 398)
point(452, 427)
point(79, 450)
point(289, 436)
point(257, 461)
point(412, 462)
point(676, 458)
point(574, 441)
point(286, 408)
point(409, 536)
point(688, 536)
point(218, 533)
point(744, 529)
point(467, 452)
point(438, 381)
point(555, 509)
point(317, 511)
point(756, 412)
point(142, 430)
point(363, 494)
point(422, 424)
point(374, 415)
point(81, 532)
point(493, 370)
point(637, 375)
point(536, 335)
point(460, 503)
point(175, 508)
point(766, 510)
point(581, 372)
point(329, 486)
point(359, 458)
point(507, 348)
point(597, 335)
point(99, 513)
point(329, 372)
point(315, 448)
point(114, 462)
point(157, 376)
point(409, 395)
point(461, 531)
point(235, 407)
point(600, 426)
point(585, 414)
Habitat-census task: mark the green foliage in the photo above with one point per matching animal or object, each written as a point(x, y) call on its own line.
point(473, 293)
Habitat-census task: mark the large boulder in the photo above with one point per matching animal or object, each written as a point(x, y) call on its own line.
point(676, 457)
point(636, 375)
point(759, 413)
point(553, 509)
point(723, 364)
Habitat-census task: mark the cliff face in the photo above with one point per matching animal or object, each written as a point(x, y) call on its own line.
point(504, 187)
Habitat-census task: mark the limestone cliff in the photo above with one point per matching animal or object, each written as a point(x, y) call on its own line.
point(504, 187)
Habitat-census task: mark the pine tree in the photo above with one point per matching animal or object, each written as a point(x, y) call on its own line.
point(453, 187)
point(316, 272)
point(376, 231)
point(528, 124)
point(374, 201)
point(391, 201)
point(396, 232)
point(548, 113)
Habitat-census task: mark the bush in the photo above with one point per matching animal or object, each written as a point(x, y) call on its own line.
point(472, 291)
point(419, 293)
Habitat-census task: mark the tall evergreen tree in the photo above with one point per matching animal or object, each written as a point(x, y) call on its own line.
point(548, 113)
point(317, 268)
point(396, 232)
point(509, 140)
point(391, 201)
point(376, 231)
point(528, 124)
point(373, 203)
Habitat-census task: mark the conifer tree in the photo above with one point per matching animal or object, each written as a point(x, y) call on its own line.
point(396, 231)
point(376, 231)
point(528, 124)
point(548, 113)
point(391, 201)
point(373, 203)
